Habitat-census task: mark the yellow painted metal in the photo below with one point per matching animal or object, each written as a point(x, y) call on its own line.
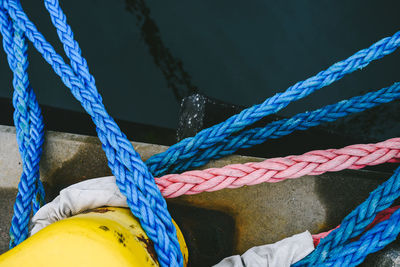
point(107, 236)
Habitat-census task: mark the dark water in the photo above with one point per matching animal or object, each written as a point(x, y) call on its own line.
point(146, 55)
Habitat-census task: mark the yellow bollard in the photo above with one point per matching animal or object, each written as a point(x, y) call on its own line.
point(106, 236)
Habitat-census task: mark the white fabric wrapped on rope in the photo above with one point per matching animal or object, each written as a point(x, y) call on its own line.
point(89, 194)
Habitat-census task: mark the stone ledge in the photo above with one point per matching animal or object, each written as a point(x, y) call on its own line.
point(61, 151)
point(216, 224)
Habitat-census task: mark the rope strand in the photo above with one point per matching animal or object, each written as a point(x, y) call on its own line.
point(373, 240)
point(278, 169)
point(29, 131)
point(380, 217)
point(162, 163)
point(133, 178)
point(137, 183)
point(277, 129)
point(356, 222)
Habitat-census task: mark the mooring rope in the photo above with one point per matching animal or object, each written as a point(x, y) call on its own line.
point(278, 169)
point(163, 163)
point(134, 178)
point(29, 131)
point(380, 217)
point(356, 222)
point(277, 129)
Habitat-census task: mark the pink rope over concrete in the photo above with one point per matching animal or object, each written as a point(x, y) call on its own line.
point(278, 169)
point(380, 217)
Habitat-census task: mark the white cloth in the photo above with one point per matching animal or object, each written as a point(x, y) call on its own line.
point(89, 194)
point(280, 254)
point(100, 192)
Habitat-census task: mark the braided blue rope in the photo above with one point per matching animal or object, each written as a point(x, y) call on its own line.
point(277, 129)
point(373, 240)
point(133, 177)
point(29, 131)
point(356, 222)
point(123, 160)
point(70, 45)
point(161, 163)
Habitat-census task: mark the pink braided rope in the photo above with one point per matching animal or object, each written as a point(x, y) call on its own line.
point(380, 217)
point(278, 169)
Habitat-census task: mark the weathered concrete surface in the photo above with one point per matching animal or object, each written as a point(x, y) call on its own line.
point(70, 158)
point(215, 224)
point(84, 153)
point(269, 212)
point(67, 159)
point(7, 197)
point(388, 257)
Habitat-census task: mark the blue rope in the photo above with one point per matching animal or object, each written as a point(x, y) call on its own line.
point(162, 163)
point(356, 222)
point(133, 178)
point(29, 131)
point(373, 240)
point(71, 46)
point(277, 129)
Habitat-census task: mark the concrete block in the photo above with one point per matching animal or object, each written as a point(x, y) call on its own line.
point(216, 224)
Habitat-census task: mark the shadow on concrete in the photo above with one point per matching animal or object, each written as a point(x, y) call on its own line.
point(7, 196)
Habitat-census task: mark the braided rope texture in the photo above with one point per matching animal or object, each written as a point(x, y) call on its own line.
point(71, 46)
point(133, 178)
point(356, 222)
point(29, 132)
point(373, 240)
point(380, 217)
point(301, 121)
point(279, 169)
point(125, 162)
point(161, 163)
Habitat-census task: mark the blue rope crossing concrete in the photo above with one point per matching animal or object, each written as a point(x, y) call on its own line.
point(356, 222)
point(189, 147)
point(29, 131)
point(373, 240)
point(133, 176)
point(277, 129)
